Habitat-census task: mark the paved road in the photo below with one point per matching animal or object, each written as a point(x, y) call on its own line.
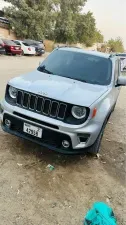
point(32, 195)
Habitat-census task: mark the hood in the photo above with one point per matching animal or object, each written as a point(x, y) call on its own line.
point(59, 88)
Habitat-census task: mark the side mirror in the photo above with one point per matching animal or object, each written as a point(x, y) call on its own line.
point(121, 81)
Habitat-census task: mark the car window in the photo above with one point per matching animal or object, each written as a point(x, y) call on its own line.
point(25, 44)
point(116, 70)
point(78, 66)
point(29, 42)
point(17, 42)
point(8, 42)
point(40, 45)
point(123, 64)
point(34, 43)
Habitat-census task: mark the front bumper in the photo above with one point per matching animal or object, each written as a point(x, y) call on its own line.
point(80, 137)
point(51, 139)
point(30, 53)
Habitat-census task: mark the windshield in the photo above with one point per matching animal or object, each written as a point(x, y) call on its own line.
point(17, 42)
point(25, 44)
point(78, 66)
point(32, 42)
point(8, 42)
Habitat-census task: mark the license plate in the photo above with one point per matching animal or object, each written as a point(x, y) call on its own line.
point(16, 48)
point(32, 130)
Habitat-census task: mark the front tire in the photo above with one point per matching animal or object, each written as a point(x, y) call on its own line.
point(39, 54)
point(95, 148)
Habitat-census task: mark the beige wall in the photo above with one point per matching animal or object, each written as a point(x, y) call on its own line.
point(5, 33)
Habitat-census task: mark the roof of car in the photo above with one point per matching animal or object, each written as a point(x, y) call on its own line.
point(18, 40)
point(76, 49)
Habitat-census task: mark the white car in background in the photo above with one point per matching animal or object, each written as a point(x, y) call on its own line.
point(26, 49)
point(122, 57)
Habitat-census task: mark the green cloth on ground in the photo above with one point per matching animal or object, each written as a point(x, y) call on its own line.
point(100, 214)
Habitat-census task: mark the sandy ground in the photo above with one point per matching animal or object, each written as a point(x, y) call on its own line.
point(30, 194)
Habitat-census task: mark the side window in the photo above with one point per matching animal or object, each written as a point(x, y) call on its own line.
point(116, 71)
point(18, 43)
point(25, 44)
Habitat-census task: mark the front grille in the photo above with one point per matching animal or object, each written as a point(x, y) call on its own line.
point(41, 105)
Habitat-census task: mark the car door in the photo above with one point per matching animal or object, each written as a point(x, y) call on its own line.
point(26, 47)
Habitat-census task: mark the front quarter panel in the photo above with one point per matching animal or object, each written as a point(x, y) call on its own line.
point(104, 107)
point(106, 102)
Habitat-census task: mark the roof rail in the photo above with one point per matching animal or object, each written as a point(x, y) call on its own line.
point(67, 46)
point(113, 55)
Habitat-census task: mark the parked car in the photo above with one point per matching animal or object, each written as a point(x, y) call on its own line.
point(11, 47)
point(121, 54)
point(39, 46)
point(66, 102)
point(2, 48)
point(26, 49)
point(123, 61)
point(4, 20)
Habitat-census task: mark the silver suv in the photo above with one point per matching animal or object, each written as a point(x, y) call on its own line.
point(66, 102)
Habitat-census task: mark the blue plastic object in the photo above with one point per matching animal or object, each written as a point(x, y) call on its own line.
point(100, 214)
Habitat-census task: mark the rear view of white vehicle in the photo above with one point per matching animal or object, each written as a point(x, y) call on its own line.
point(26, 49)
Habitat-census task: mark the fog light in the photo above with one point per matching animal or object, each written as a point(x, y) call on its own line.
point(83, 137)
point(7, 123)
point(65, 144)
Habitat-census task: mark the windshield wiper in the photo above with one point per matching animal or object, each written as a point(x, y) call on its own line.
point(44, 70)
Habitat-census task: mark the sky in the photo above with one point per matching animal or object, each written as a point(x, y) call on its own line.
point(110, 17)
point(2, 4)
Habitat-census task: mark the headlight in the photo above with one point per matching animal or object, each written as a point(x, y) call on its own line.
point(12, 92)
point(79, 112)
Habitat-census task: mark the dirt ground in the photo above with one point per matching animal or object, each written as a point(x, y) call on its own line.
point(31, 194)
